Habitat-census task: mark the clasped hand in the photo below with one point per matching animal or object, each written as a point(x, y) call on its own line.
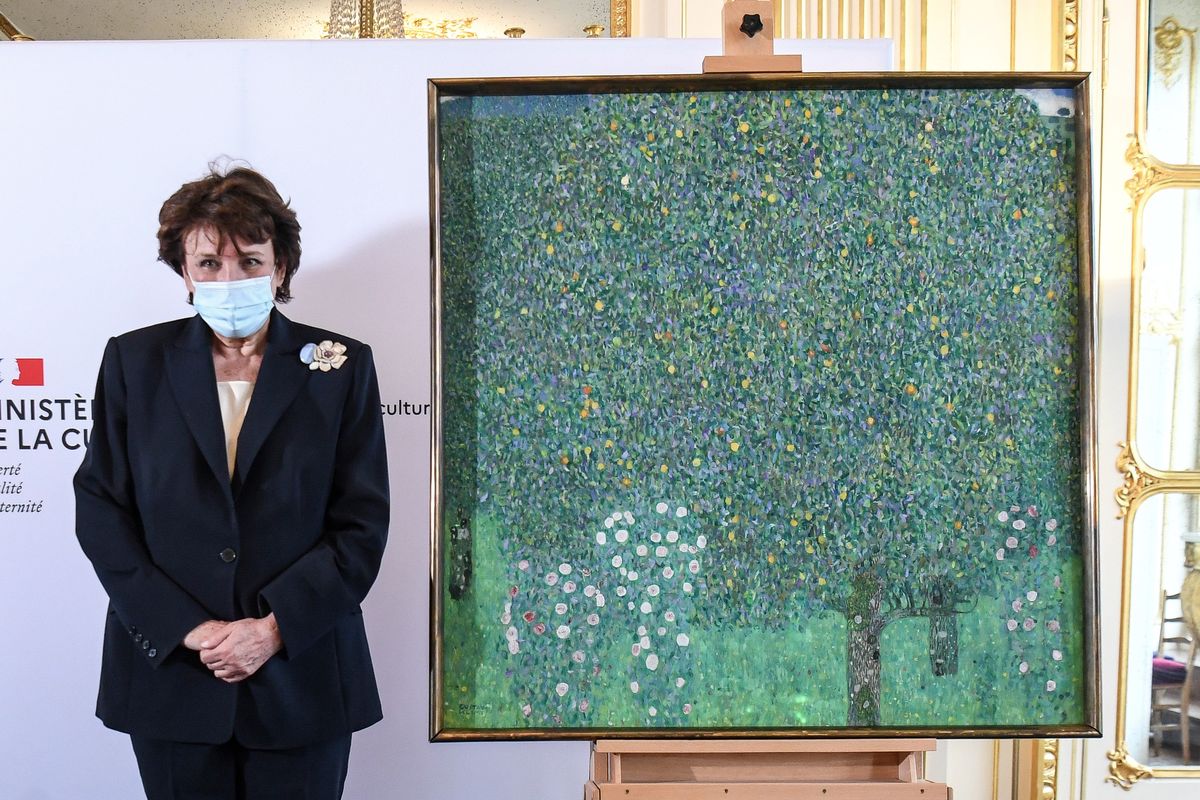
point(235, 650)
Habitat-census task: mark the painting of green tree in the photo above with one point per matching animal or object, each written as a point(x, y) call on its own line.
point(761, 409)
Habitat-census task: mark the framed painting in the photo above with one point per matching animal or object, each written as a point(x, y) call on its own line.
point(762, 407)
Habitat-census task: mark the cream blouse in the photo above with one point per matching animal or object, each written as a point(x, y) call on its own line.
point(235, 399)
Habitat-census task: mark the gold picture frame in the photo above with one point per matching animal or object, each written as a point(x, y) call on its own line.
point(443, 519)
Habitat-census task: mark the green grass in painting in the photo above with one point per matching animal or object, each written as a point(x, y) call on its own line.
point(793, 676)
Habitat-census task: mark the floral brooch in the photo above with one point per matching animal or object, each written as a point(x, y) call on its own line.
point(324, 356)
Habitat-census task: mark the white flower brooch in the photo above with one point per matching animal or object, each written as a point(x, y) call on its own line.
point(324, 356)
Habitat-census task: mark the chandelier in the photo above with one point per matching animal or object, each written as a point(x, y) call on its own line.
point(366, 19)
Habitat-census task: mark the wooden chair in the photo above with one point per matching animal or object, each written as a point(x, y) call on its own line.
point(1170, 693)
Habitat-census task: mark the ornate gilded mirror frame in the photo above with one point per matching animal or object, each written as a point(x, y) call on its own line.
point(1142, 481)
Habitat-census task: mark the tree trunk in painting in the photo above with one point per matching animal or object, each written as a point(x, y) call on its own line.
point(460, 561)
point(943, 644)
point(863, 668)
point(867, 616)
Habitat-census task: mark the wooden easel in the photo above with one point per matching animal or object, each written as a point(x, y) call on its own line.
point(748, 40)
point(758, 769)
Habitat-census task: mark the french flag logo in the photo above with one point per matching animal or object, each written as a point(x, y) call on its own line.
point(22, 372)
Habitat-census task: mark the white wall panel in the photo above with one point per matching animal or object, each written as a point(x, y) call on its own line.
point(93, 137)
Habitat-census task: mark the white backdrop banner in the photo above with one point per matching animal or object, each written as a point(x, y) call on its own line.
point(93, 137)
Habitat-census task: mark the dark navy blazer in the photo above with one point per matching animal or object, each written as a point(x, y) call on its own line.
point(299, 530)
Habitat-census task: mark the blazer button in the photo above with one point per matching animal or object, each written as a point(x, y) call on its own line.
point(152, 652)
point(137, 637)
point(146, 644)
point(228, 555)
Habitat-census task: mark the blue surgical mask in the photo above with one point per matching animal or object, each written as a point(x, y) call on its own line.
point(234, 309)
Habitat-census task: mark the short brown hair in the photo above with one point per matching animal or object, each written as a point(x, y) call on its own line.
point(240, 204)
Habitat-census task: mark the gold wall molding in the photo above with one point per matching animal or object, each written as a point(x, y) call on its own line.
point(1169, 38)
point(1123, 771)
point(1136, 483)
point(619, 18)
point(1071, 35)
point(1045, 769)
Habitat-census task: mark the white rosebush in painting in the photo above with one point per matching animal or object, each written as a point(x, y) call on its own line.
point(1030, 616)
point(561, 643)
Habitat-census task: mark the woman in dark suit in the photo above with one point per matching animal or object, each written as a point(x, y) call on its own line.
point(234, 503)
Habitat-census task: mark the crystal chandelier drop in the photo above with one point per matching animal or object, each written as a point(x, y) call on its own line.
point(366, 19)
